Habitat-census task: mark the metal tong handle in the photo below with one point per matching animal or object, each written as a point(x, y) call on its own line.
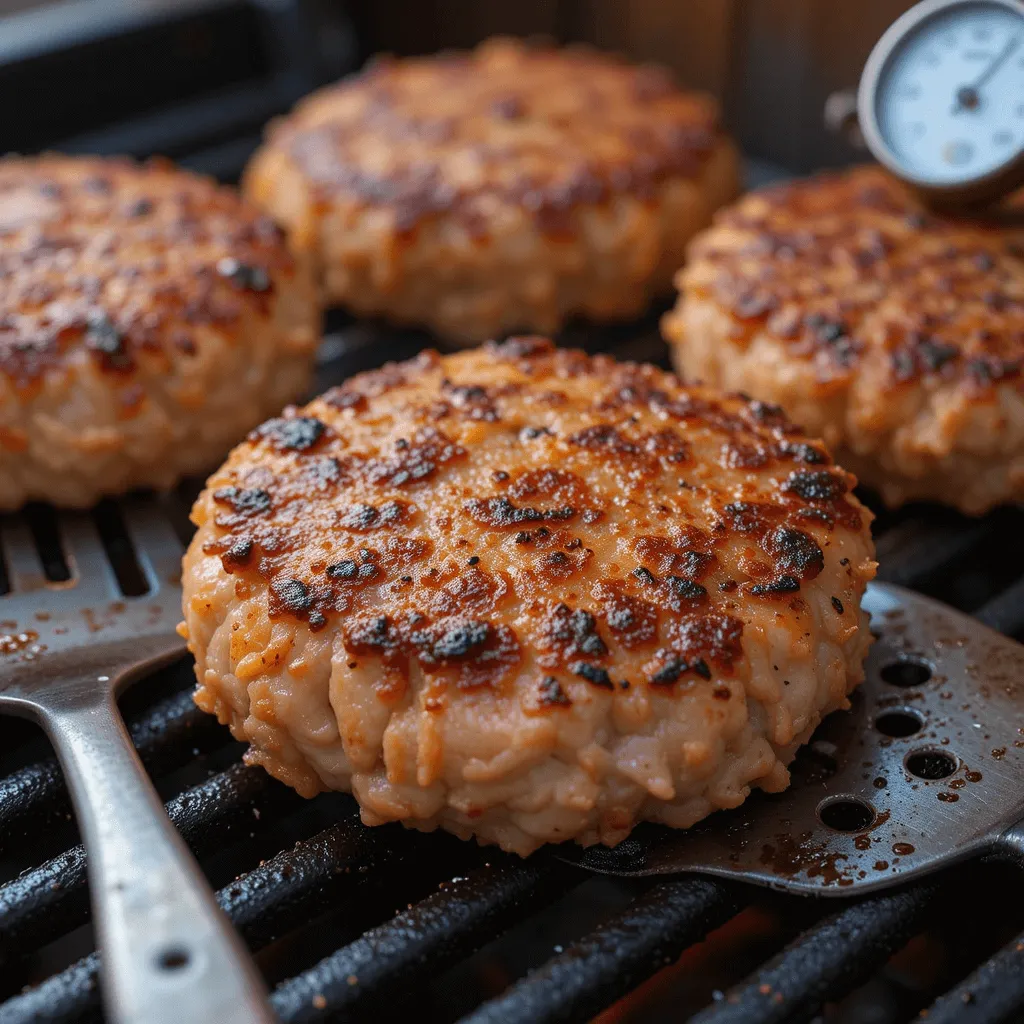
point(169, 954)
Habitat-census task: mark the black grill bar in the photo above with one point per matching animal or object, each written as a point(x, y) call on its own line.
point(264, 903)
point(289, 889)
point(167, 735)
point(71, 996)
point(48, 901)
point(825, 962)
point(613, 959)
point(993, 994)
point(418, 943)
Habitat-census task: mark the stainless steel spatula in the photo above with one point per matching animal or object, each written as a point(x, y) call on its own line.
point(926, 769)
point(66, 648)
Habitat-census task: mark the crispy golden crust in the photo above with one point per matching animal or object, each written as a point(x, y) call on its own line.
point(128, 296)
point(509, 148)
point(544, 130)
point(431, 505)
point(895, 333)
point(127, 261)
point(840, 266)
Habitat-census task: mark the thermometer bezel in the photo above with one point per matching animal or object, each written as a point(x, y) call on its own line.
point(971, 190)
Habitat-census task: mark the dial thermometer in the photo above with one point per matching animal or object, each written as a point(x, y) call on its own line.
point(941, 99)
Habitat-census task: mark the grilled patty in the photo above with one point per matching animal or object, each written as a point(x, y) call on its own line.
point(148, 319)
point(894, 333)
point(505, 189)
point(527, 595)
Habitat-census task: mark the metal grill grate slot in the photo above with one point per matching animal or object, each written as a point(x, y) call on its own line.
point(120, 550)
point(42, 521)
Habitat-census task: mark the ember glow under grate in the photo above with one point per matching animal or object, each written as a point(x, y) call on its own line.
point(350, 923)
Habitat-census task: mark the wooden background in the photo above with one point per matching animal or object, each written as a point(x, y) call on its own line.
point(772, 63)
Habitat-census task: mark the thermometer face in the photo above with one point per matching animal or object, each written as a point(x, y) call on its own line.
point(942, 98)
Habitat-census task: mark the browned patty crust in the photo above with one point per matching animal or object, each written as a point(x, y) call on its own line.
point(148, 318)
point(528, 594)
point(895, 333)
point(481, 192)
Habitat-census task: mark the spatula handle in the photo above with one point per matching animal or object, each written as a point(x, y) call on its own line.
point(169, 954)
point(1011, 842)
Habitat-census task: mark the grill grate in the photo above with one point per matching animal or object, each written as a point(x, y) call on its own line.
point(353, 923)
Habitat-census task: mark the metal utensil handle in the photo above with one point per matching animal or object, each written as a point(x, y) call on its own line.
point(169, 954)
point(1011, 842)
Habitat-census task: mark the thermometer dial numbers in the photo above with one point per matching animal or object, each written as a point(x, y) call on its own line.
point(942, 97)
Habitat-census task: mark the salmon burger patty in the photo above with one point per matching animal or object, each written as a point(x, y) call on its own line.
point(527, 595)
point(505, 189)
point(148, 319)
point(894, 333)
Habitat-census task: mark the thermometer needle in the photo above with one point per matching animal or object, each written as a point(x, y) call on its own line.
point(967, 97)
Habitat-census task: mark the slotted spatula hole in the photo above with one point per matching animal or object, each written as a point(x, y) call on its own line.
point(120, 551)
point(42, 522)
point(846, 814)
point(930, 764)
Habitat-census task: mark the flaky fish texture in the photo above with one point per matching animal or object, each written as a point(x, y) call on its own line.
point(528, 595)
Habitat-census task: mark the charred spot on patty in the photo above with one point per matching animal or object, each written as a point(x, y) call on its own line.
point(246, 276)
point(603, 437)
point(714, 637)
point(455, 639)
point(551, 695)
point(686, 554)
point(238, 555)
point(750, 516)
point(343, 398)
point(363, 517)
point(373, 634)
point(673, 666)
point(815, 485)
point(801, 451)
point(472, 399)
point(785, 584)
point(245, 502)
point(290, 433)
point(103, 337)
point(592, 674)
point(685, 589)
point(632, 620)
point(571, 632)
point(795, 552)
point(289, 595)
point(414, 461)
point(500, 512)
